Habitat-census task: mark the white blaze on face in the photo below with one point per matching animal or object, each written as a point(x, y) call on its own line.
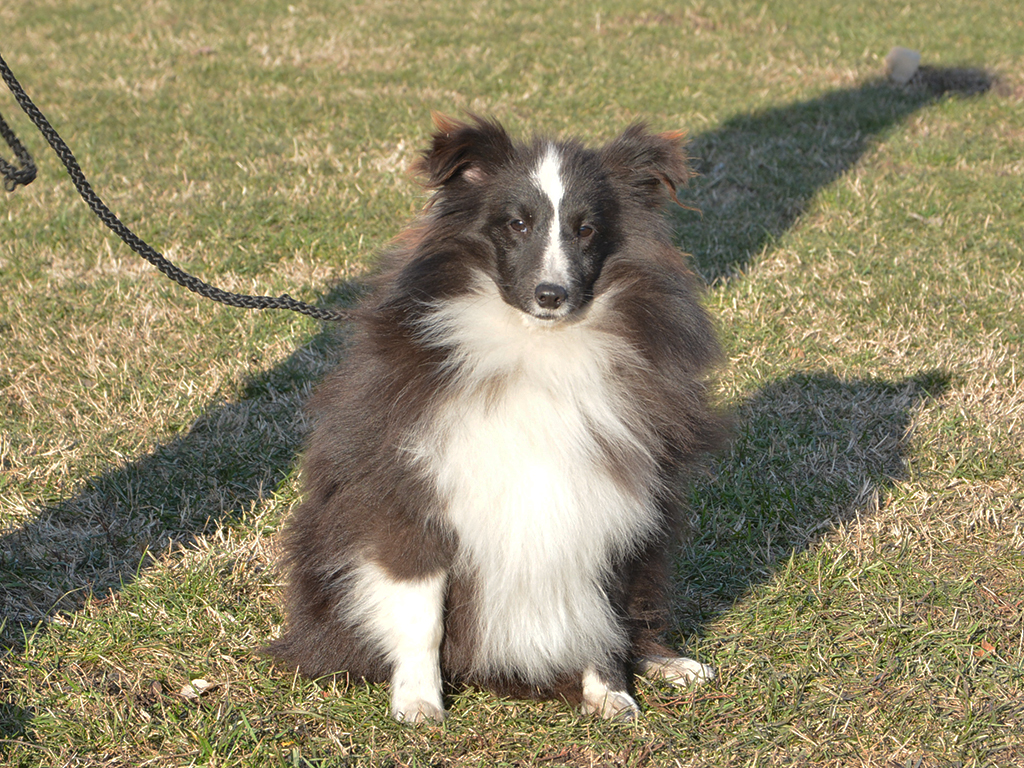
point(548, 176)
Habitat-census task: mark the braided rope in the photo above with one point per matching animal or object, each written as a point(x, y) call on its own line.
point(130, 239)
point(15, 176)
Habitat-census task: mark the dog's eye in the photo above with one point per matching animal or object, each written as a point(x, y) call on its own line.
point(585, 231)
point(519, 226)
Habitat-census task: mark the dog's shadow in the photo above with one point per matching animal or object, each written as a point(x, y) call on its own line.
point(97, 539)
point(810, 451)
point(758, 172)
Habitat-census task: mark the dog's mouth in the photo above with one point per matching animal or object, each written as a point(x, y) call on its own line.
point(547, 303)
point(570, 311)
point(549, 315)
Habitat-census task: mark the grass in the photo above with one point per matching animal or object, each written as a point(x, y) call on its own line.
point(857, 569)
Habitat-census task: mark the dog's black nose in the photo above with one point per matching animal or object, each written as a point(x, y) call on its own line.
point(550, 296)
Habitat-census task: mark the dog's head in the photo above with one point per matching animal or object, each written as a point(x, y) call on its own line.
point(549, 213)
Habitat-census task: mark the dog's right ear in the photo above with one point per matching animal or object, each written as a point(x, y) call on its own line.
point(459, 150)
point(652, 164)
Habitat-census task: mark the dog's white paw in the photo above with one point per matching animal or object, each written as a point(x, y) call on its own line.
point(416, 694)
point(414, 709)
point(600, 699)
point(677, 670)
point(613, 705)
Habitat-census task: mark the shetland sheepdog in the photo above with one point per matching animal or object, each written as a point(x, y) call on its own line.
point(490, 489)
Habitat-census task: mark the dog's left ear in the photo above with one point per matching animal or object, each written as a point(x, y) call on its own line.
point(652, 164)
point(461, 150)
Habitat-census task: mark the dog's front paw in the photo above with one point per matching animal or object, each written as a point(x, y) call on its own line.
point(600, 699)
point(677, 670)
point(613, 705)
point(413, 710)
point(415, 699)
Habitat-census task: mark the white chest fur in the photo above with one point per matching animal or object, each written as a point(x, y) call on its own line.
point(525, 481)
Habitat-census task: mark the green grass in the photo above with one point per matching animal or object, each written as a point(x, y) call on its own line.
point(856, 573)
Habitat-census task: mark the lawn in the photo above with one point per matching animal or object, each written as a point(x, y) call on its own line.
point(856, 573)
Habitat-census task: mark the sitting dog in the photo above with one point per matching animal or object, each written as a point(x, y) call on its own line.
point(489, 487)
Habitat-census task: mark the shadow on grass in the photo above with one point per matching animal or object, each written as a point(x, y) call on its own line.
point(231, 456)
point(811, 451)
point(759, 173)
point(98, 540)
